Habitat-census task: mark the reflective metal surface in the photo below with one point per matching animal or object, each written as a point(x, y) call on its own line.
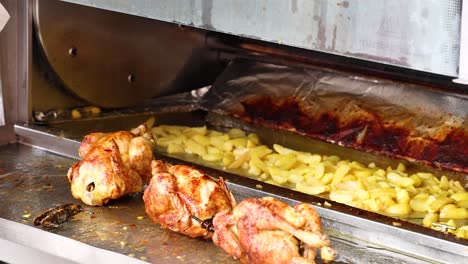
point(33, 180)
point(418, 34)
point(360, 233)
point(115, 60)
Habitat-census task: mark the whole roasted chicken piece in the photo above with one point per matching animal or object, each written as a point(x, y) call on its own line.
point(180, 197)
point(266, 230)
point(112, 165)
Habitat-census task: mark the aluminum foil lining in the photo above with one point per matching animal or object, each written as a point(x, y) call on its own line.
point(385, 117)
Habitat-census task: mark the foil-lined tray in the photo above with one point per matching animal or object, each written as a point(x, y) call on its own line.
point(399, 120)
point(360, 230)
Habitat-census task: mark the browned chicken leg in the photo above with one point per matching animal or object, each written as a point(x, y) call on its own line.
point(176, 193)
point(112, 165)
point(267, 230)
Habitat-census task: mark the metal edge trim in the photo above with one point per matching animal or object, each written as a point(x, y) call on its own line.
point(48, 142)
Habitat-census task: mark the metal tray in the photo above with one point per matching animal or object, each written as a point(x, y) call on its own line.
point(359, 236)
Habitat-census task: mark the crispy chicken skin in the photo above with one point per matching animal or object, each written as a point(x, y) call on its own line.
point(112, 165)
point(176, 193)
point(266, 230)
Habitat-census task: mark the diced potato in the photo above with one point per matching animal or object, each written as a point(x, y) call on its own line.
point(239, 142)
point(228, 146)
point(401, 167)
point(342, 196)
point(253, 138)
point(214, 150)
point(399, 209)
point(250, 144)
point(236, 133)
point(200, 139)
point(340, 173)
point(295, 178)
point(258, 162)
point(463, 204)
point(212, 156)
point(444, 183)
point(264, 176)
point(228, 158)
point(175, 148)
point(383, 192)
point(416, 179)
point(462, 232)
point(218, 141)
point(425, 175)
point(429, 219)
point(165, 141)
point(261, 151)
point(312, 189)
point(380, 172)
point(460, 196)
point(286, 161)
point(454, 213)
point(333, 158)
point(197, 131)
point(158, 132)
point(254, 170)
point(430, 182)
point(193, 147)
point(456, 186)
point(402, 197)
point(279, 176)
point(282, 150)
point(348, 185)
point(372, 205)
point(362, 194)
point(239, 161)
point(327, 178)
point(385, 201)
point(214, 133)
point(419, 204)
point(438, 203)
point(318, 170)
point(362, 173)
point(396, 178)
point(308, 158)
point(174, 130)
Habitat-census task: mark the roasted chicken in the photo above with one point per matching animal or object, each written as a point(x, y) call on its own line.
point(267, 230)
point(112, 165)
point(179, 195)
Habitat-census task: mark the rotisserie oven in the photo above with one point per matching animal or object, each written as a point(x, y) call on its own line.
point(234, 131)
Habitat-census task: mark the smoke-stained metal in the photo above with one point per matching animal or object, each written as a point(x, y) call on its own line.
point(114, 60)
point(418, 34)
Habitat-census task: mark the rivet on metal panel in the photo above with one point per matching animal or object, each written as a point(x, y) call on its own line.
point(131, 78)
point(73, 52)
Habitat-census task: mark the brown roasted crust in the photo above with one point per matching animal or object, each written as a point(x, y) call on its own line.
point(112, 165)
point(102, 176)
point(364, 126)
point(264, 230)
point(175, 193)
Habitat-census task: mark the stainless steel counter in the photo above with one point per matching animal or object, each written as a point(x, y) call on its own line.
point(32, 180)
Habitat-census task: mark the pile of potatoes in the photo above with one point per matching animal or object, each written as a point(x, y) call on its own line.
point(391, 191)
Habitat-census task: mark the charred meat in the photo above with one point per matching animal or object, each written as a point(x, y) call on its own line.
point(53, 217)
